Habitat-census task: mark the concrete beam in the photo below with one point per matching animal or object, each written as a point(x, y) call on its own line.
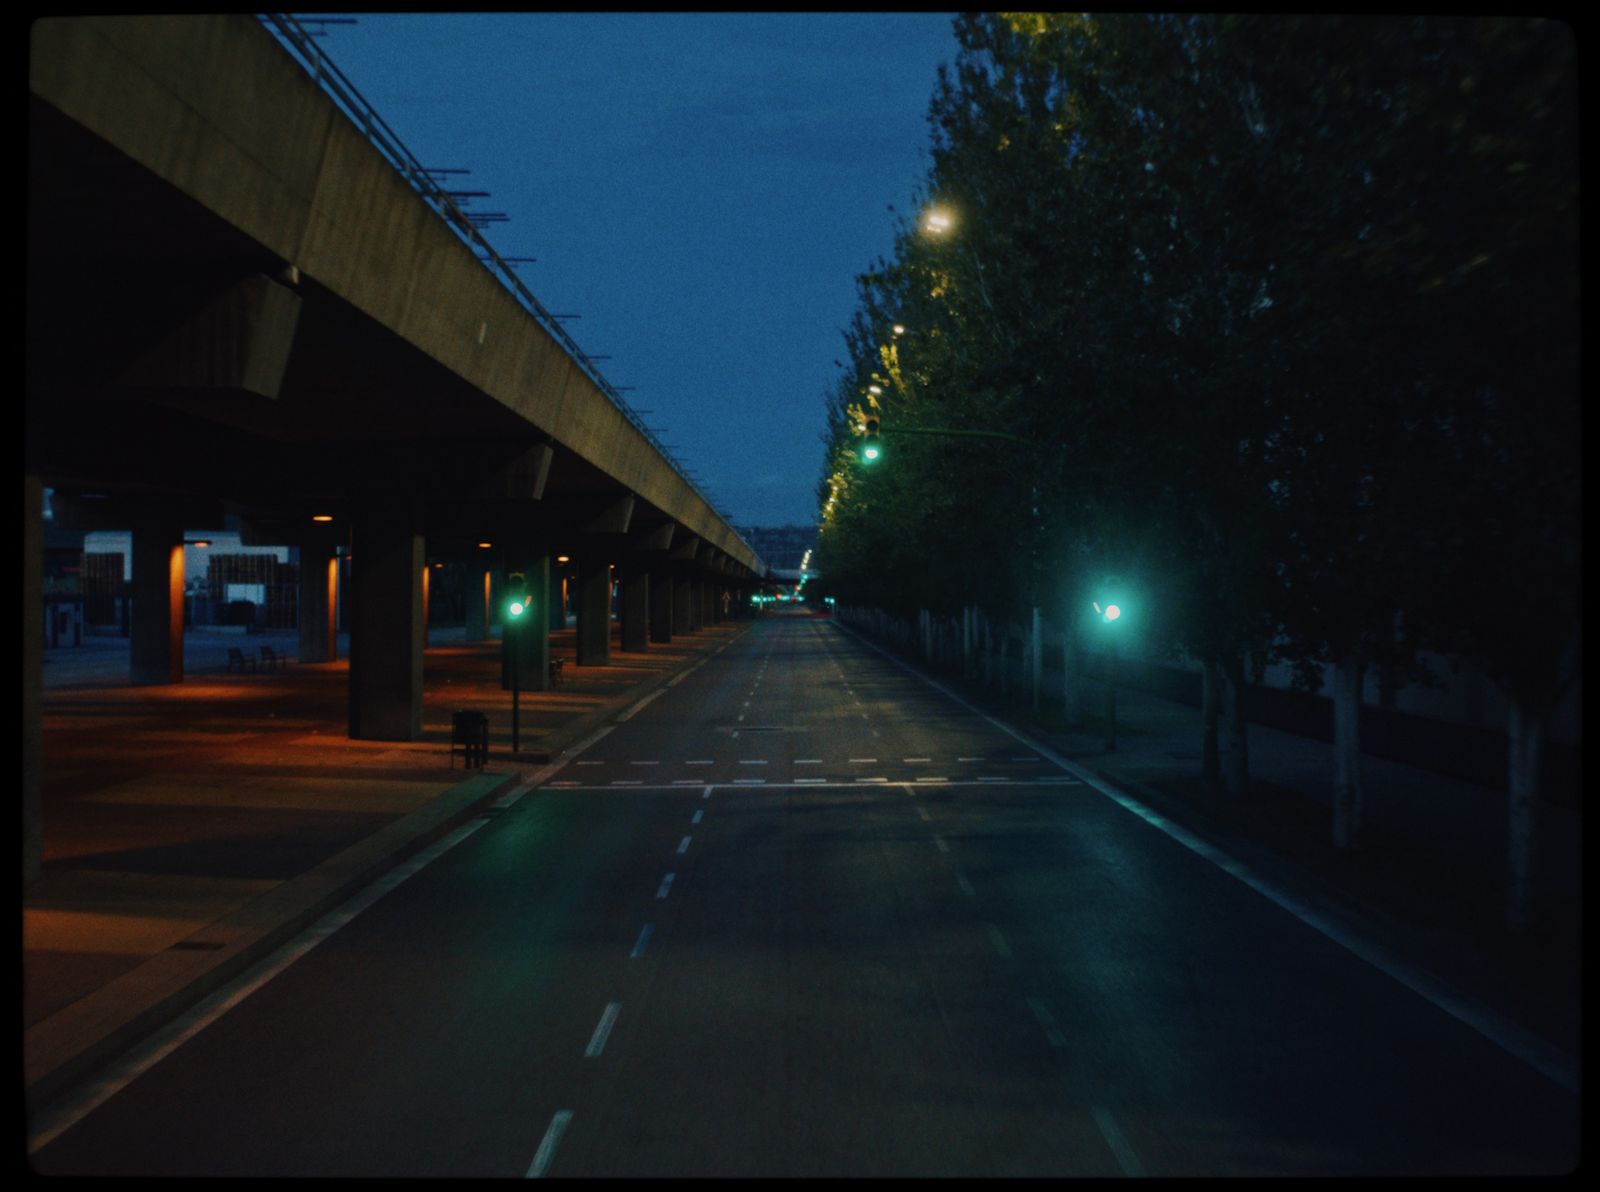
point(238, 343)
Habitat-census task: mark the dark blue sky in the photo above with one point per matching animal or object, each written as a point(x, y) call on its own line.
point(701, 188)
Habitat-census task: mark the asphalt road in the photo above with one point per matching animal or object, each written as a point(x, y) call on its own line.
point(800, 914)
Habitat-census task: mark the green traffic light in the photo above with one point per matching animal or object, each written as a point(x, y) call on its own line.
point(870, 452)
point(518, 607)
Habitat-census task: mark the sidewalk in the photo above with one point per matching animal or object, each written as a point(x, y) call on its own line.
point(191, 829)
point(1428, 882)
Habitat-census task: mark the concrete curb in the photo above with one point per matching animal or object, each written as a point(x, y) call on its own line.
point(73, 1043)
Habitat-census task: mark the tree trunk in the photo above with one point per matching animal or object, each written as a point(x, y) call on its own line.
point(1347, 674)
point(1210, 702)
point(1068, 705)
point(1236, 773)
point(1526, 727)
point(1036, 658)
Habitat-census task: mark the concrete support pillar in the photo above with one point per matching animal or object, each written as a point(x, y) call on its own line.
point(156, 651)
point(528, 638)
point(682, 605)
point(660, 607)
point(594, 610)
point(480, 591)
point(32, 676)
point(319, 602)
point(558, 599)
point(697, 605)
point(634, 607)
point(386, 630)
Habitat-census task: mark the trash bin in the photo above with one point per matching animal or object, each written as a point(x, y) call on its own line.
point(469, 733)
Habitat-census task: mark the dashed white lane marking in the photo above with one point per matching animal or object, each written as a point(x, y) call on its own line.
point(1126, 1159)
point(750, 781)
point(644, 763)
point(666, 885)
point(916, 760)
point(547, 1147)
point(685, 782)
point(755, 761)
point(808, 761)
point(644, 938)
point(998, 940)
point(747, 703)
point(966, 886)
point(697, 817)
point(1047, 1020)
point(969, 759)
point(808, 781)
point(741, 715)
point(706, 794)
point(923, 812)
point(943, 847)
point(602, 1032)
point(683, 845)
point(874, 780)
point(700, 762)
point(863, 760)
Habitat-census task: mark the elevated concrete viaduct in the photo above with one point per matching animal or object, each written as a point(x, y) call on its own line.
point(238, 307)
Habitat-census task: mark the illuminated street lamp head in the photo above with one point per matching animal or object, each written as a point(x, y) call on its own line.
point(871, 445)
point(937, 221)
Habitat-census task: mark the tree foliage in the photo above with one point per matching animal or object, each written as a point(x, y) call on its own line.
point(1286, 306)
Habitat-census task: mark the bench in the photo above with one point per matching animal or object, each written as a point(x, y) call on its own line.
point(555, 671)
point(270, 657)
point(237, 660)
point(469, 733)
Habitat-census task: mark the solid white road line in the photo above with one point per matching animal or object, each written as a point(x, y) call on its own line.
point(547, 1147)
point(66, 1114)
point(1511, 1037)
point(602, 1032)
point(634, 711)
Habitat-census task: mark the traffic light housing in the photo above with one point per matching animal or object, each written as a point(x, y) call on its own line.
point(518, 603)
point(871, 443)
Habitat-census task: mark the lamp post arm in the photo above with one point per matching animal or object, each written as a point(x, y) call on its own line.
point(949, 432)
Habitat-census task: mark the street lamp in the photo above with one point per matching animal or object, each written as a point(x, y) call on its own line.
point(1109, 613)
point(517, 610)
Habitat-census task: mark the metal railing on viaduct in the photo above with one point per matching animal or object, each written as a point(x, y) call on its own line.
point(250, 307)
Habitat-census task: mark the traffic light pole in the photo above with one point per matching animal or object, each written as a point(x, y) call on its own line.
point(516, 685)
